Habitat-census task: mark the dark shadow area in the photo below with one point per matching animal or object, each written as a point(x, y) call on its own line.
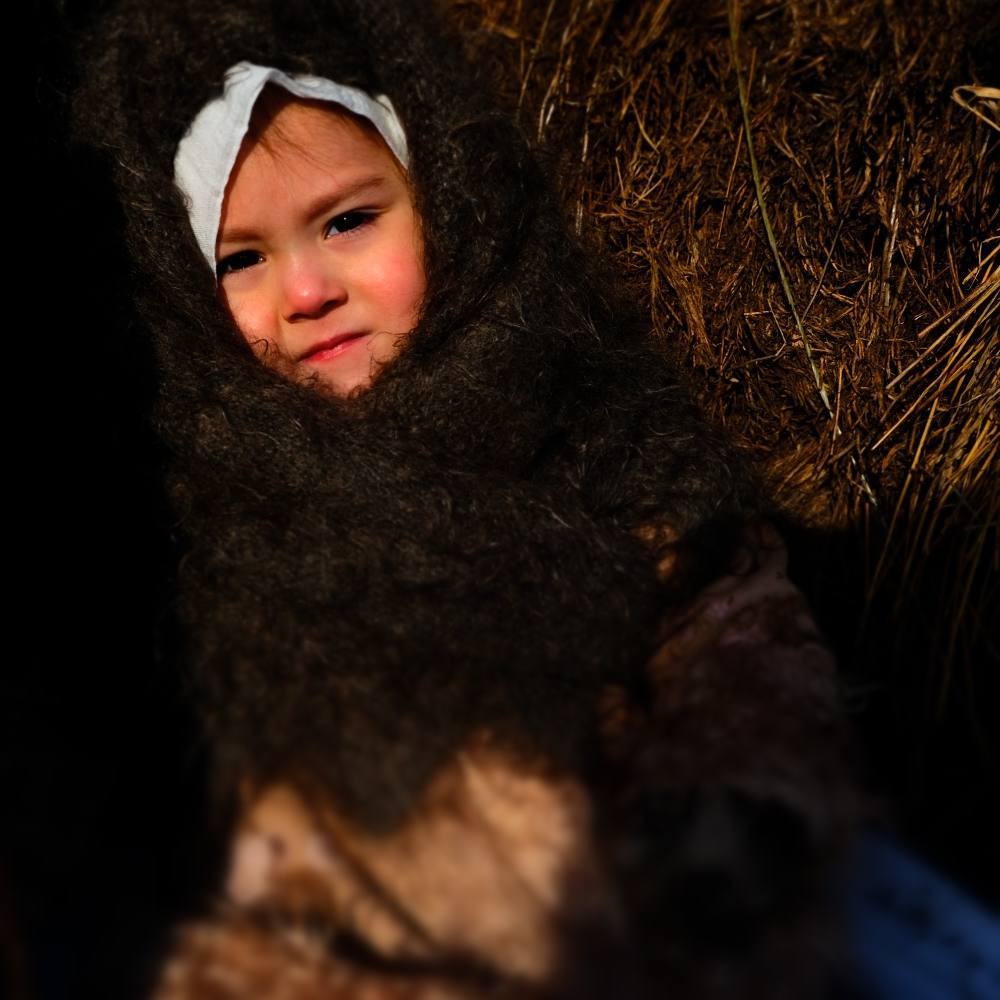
point(933, 762)
point(104, 841)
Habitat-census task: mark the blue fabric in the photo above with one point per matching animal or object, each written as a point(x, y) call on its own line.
point(914, 934)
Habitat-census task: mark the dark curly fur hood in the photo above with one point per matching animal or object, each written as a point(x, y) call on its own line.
point(363, 582)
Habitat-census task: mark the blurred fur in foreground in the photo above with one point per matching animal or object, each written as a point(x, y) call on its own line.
point(691, 859)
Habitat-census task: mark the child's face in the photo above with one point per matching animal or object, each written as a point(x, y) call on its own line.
point(308, 256)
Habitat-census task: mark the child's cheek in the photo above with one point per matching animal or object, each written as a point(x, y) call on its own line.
point(247, 317)
point(399, 285)
point(231, 304)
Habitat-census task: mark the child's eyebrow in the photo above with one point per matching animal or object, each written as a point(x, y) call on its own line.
point(326, 201)
point(322, 203)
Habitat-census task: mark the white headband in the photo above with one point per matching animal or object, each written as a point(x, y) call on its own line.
point(206, 154)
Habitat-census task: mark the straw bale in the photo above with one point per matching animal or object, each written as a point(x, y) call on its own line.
point(869, 390)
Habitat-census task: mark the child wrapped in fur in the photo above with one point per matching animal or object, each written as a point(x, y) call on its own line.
point(499, 666)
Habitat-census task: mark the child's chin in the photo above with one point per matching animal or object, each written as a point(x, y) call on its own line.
point(340, 384)
point(350, 376)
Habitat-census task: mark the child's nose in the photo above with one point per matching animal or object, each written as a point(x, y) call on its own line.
point(311, 286)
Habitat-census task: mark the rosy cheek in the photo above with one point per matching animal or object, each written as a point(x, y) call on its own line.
point(231, 306)
point(243, 315)
point(401, 283)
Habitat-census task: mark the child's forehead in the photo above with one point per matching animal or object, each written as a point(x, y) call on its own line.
point(277, 107)
point(306, 143)
point(288, 126)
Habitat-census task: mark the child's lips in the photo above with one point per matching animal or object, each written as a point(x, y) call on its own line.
point(332, 347)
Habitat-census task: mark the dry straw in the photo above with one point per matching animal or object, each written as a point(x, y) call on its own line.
point(743, 159)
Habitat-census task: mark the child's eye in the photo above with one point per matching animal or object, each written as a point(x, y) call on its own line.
point(347, 221)
point(237, 262)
